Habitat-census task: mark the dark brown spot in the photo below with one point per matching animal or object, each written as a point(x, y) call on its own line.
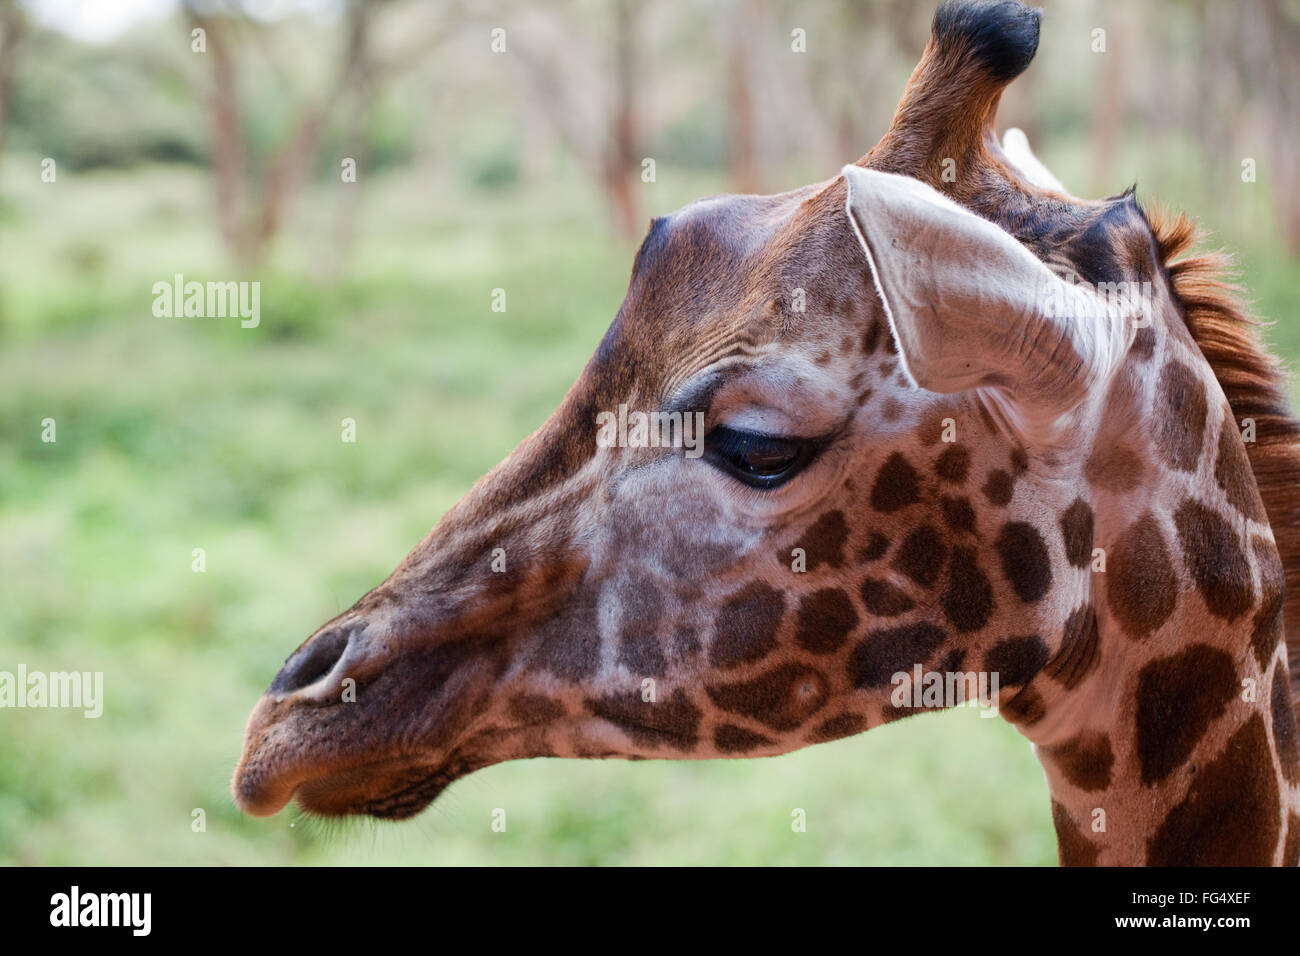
point(841, 725)
point(958, 514)
point(686, 644)
point(875, 547)
point(889, 713)
point(921, 555)
point(1085, 760)
point(783, 698)
point(1267, 633)
point(1025, 708)
point(1180, 411)
point(1178, 697)
point(823, 542)
point(1144, 344)
point(871, 337)
point(952, 663)
point(896, 485)
point(1025, 561)
point(883, 599)
point(1141, 587)
point(888, 651)
point(1073, 848)
point(968, 599)
point(745, 628)
point(1233, 473)
point(1231, 814)
point(1076, 529)
point(1016, 660)
point(825, 619)
point(569, 642)
point(638, 649)
point(932, 428)
point(673, 722)
point(730, 739)
point(953, 464)
point(1080, 649)
point(1114, 467)
point(999, 487)
point(1284, 727)
point(1213, 553)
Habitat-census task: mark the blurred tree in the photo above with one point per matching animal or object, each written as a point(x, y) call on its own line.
point(13, 27)
point(1279, 78)
point(249, 223)
point(1123, 31)
point(742, 143)
point(606, 143)
point(1249, 75)
point(372, 72)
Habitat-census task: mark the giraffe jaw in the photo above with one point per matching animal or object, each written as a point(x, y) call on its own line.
point(388, 789)
point(372, 791)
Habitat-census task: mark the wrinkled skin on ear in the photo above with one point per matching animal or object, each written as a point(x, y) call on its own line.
point(971, 307)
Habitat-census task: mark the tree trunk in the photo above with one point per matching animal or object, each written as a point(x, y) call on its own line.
point(742, 146)
point(622, 161)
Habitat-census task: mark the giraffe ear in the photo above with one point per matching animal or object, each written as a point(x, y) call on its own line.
point(1015, 145)
point(970, 307)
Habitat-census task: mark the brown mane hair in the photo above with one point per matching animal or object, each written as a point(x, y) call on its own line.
point(1255, 384)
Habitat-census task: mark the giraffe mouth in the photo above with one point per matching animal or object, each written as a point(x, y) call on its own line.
point(369, 791)
point(385, 789)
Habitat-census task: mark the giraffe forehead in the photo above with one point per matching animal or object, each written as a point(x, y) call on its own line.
point(733, 273)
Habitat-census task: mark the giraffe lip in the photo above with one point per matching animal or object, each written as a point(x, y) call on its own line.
point(378, 789)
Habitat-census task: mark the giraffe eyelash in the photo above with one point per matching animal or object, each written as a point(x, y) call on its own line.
point(757, 460)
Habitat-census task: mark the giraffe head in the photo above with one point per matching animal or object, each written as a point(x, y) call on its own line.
point(897, 414)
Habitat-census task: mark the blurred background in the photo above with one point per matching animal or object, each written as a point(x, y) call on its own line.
point(483, 160)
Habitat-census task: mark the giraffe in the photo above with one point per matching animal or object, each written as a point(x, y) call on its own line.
point(931, 441)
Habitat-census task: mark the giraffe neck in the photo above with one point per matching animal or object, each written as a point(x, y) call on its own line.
point(1168, 760)
point(1179, 746)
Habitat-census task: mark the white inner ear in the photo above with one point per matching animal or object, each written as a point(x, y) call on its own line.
point(1016, 145)
point(972, 308)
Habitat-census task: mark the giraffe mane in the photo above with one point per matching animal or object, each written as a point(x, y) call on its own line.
point(1255, 383)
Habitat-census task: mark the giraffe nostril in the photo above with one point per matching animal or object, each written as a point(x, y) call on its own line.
point(313, 660)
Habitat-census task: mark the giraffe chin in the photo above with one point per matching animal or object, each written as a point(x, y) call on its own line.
point(386, 790)
point(391, 796)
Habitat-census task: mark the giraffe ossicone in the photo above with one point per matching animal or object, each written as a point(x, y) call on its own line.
point(925, 452)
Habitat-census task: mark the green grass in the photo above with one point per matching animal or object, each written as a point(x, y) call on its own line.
point(189, 433)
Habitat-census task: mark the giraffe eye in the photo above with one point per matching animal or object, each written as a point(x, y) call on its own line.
point(760, 461)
